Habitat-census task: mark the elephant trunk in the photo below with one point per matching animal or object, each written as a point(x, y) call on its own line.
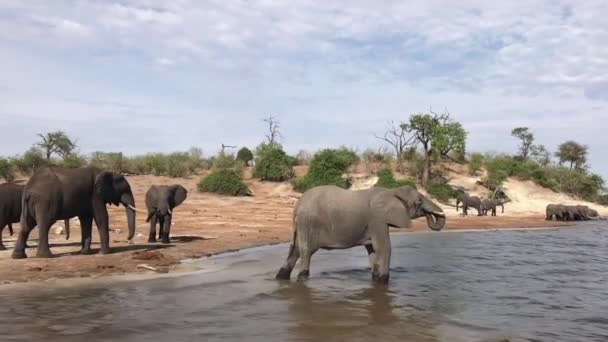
point(435, 217)
point(129, 202)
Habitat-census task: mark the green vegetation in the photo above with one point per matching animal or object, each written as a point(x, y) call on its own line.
point(387, 180)
point(327, 168)
point(439, 136)
point(73, 160)
point(441, 191)
point(245, 155)
point(272, 163)
point(475, 163)
point(224, 181)
point(7, 170)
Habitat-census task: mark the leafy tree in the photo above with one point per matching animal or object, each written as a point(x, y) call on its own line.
point(475, 163)
point(541, 155)
point(7, 170)
point(438, 135)
point(527, 141)
point(272, 163)
point(30, 160)
point(56, 143)
point(327, 168)
point(245, 155)
point(573, 153)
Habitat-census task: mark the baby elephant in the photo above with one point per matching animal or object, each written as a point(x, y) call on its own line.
point(160, 201)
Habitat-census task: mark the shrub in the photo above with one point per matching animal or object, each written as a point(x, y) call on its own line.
point(73, 160)
point(475, 163)
point(273, 164)
point(7, 170)
point(441, 191)
point(244, 155)
point(111, 161)
point(327, 168)
point(227, 161)
point(387, 180)
point(179, 165)
point(224, 181)
point(30, 160)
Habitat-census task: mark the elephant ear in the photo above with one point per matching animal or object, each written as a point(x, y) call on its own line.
point(389, 209)
point(179, 194)
point(104, 187)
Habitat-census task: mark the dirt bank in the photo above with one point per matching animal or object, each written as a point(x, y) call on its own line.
point(205, 224)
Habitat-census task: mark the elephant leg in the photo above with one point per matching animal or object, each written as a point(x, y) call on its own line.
point(101, 221)
point(152, 234)
point(371, 253)
point(24, 234)
point(479, 211)
point(166, 230)
point(161, 225)
point(86, 226)
point(2, 248)
point(381, 243)
point(494, 212)
point(44, 226)
point(305, 254)
point(292, 257)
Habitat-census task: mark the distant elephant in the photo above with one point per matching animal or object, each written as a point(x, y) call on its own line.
point(556, 212)
point(160, 201)
point(10, 209)
point(468, 202)
point(329, 217)
point(58, 194)
point(490, 205)
point(578, 212)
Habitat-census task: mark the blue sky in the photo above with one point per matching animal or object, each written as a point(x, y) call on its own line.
point(140, 76)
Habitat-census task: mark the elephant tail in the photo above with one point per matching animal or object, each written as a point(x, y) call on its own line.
point(10, 228)
point(25, 214)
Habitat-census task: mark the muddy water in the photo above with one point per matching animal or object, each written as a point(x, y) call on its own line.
point(549, 285)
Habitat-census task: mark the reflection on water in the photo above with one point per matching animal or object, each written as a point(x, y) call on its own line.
point(516, 286)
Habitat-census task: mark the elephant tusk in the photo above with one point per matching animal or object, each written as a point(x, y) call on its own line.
point(438, 213)
point(169, 211)
point(135, 209)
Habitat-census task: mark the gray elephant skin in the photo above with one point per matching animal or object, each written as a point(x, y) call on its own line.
point(560, 212)
point(58, 194)
point(10, 209)
point(160, 202)
point(329, 217)
point(468, 202)
point(489, 204)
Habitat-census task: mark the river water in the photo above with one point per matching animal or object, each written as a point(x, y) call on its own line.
point(542, 285)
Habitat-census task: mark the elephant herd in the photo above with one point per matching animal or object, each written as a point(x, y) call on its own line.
point(560, 212)
point(482, 206)
point(54, 194)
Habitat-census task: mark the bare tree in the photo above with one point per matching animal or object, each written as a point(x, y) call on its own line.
point(397, 137)
point(224, 147)
point(273, 129)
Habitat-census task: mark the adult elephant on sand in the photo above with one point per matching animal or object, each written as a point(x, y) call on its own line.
point(329, 217)
point(468, 202)
point(56, 194)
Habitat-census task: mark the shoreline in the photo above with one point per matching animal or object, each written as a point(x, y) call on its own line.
point(125, 264)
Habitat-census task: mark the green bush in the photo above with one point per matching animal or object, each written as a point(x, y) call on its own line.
point(441, 191)
point(387, 180)
point(327, 168)
point(475, 163)
point(244, 155)
point(7, 170)
point(273, 164)
point(227, 161)
point(224, 181)
point(110, 161)
point(30, 160)
point(179, 164)
point(73, 161)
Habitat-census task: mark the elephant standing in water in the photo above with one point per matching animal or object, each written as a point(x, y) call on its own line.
point(10, 209)
point(468, 202)
point(329, 217)
point(160, 201)
point(58, 194)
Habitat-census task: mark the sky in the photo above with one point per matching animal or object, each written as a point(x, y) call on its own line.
point(141, 76)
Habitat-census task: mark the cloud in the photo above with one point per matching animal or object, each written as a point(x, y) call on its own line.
point(340, 68)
